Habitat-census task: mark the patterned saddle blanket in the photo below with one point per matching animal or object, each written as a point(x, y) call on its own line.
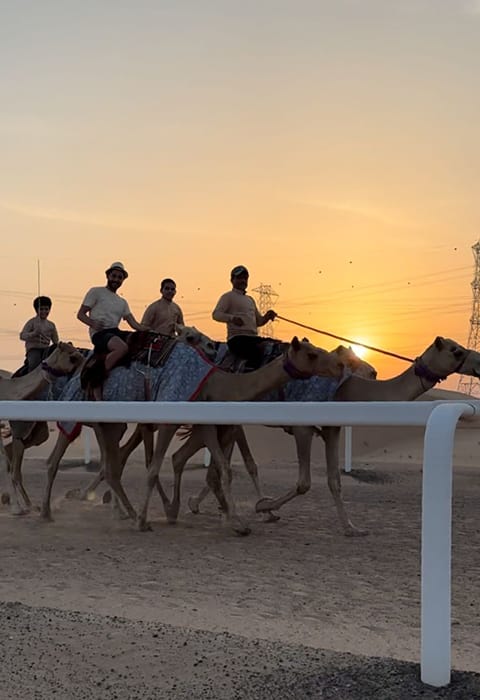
point(144, 347)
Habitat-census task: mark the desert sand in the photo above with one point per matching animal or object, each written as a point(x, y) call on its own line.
point(91, 608)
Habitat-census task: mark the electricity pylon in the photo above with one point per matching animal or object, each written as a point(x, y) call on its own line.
point(471, 385)
point(267, 299)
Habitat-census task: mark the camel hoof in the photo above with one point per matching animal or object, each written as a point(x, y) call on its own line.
point(355, 532)
point(5, 499)
point(46, 516)
point(143, 526)
point(18, 510)
point(194, 505)
point(107, 497)
point(270, 517)
point(239, 527)
point(264, 504)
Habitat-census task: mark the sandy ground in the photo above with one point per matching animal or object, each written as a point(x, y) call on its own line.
point(91, 608)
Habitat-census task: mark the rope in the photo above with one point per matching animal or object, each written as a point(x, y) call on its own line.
point(346, 340)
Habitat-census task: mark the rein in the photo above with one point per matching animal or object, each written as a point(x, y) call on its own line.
point(346, 340)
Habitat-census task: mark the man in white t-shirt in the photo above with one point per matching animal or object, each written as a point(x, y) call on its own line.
point(102, 310)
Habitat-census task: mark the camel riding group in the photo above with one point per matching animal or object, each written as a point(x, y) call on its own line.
point(302, 372)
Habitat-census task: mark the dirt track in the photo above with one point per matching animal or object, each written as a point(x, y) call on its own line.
point(296, 582)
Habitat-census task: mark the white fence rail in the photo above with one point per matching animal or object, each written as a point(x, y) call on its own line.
point(439, 418)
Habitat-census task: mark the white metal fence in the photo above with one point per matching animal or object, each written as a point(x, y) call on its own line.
point(439, 418)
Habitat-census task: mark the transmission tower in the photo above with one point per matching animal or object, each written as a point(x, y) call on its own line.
point(471, 385)
point(267, 299)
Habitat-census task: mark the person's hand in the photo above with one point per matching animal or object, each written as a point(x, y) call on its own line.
point(270, 315)
point(44, 340)
point(237, 321)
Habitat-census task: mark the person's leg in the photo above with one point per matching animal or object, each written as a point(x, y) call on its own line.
point(34, 358)
point(247, 347)
point(117, 348)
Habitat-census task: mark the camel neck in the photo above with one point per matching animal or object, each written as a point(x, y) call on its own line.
point(224, 386)
point(24, 387)
point(405, 387)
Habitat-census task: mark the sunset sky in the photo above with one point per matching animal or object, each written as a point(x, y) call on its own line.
point(331, 146)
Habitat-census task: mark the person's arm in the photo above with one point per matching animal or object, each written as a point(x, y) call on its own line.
point(268, 316)
point(220, 313)
point(180, 320)
point(148, 317)
point(83, 316)
point(28, 332)
point(55, 337)
point(133, 323)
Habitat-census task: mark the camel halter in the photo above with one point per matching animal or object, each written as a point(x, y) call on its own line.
point(293, 372)
point(51, 372)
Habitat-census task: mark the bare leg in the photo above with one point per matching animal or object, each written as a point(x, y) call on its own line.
point(331, 435)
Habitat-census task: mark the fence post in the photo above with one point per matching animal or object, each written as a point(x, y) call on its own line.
point(348, 449)
point(437, 543)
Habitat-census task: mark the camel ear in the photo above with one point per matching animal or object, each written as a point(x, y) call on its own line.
point(305, 340)
point(295, 343)
point(439, 342)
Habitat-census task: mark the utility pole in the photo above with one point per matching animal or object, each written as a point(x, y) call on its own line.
point(267, 299)
point(471, 385)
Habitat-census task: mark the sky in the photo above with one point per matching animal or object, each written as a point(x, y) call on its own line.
point(332, 147)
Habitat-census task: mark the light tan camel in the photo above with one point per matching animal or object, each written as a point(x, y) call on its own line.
point(353, 364)
point(301, 359)
point(63, 360)
point(39, 432)
point(442, 358)
point(144, 433)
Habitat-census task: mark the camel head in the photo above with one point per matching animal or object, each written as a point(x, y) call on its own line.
point(63, 360)
point(358, 366)
point(446, 356)
point(306, 360)
point(192, 336)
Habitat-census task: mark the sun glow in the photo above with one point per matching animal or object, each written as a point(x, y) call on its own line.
point(359, 350)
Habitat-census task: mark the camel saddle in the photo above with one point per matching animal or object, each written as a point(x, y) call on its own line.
point(146, 347)
point(269, 347)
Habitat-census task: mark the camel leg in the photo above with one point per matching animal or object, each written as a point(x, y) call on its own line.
point(331, 435)
point(109, 436)
point(179, 459)
point(165, 435)
point(5, 471)
point(303, 439)
point(218, 456)
point(19, 491)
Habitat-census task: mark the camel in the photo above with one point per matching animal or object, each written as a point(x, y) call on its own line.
point(38, 432)
point(439, 360)
point(302, 359)
point(64, 359)
point(353, 365)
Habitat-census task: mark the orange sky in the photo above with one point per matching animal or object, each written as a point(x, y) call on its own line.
point(332, 147)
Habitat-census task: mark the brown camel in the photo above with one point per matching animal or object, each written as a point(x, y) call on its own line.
point(64, 359)
point(442, 358)
point(301, 359)
point(144, 433)
point(38, 431)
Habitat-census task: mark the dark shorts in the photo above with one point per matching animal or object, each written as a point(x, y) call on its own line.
point(100, 339)
point(247, 347)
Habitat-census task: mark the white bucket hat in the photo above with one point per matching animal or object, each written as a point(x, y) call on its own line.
point(117, 266)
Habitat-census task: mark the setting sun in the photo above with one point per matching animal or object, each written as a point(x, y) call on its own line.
point(359, 350)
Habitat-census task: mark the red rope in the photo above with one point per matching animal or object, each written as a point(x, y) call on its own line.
point(346, 340)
